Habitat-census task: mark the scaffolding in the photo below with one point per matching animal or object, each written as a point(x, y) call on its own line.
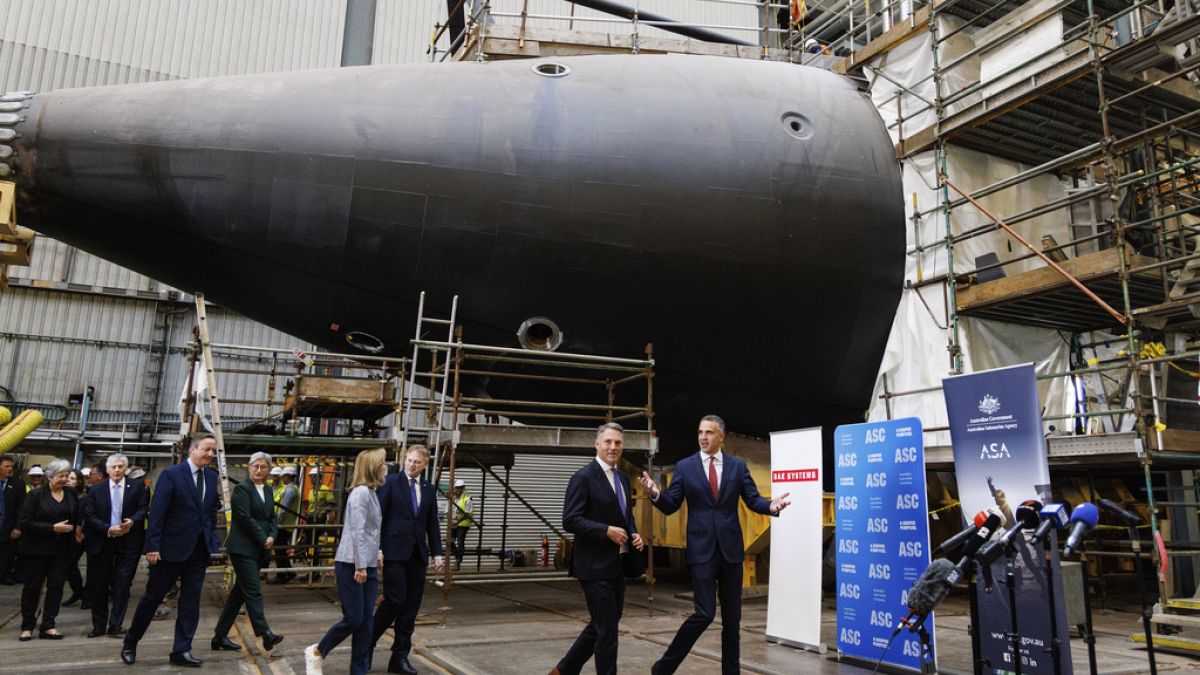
point(1106, 106)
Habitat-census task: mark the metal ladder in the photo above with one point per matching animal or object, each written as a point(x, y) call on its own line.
point(214, 403)
point(434, 426)
point(152, 375)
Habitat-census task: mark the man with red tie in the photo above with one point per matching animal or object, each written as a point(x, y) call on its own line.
point(409, 534)
point(711, 482)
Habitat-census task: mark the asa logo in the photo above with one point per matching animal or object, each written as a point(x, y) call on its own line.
point(994, 451)
point(879, 525)
point(848, 460)
point(880, 571)
point(881, 618)
point(912, 648)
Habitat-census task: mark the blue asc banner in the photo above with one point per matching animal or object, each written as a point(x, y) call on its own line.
point(882, 537)
point(1000, 461)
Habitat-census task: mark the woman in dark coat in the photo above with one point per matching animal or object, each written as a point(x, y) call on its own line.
point(48, 520)
point(249, 545)
point(76, 485)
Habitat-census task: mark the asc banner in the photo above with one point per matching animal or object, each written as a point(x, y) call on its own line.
point(882, 538)
point(794, 602)
point(1000, 461)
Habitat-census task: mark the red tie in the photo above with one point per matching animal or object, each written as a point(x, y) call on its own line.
point(712, 476)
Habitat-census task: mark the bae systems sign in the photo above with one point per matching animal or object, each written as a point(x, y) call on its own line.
point(882, 538)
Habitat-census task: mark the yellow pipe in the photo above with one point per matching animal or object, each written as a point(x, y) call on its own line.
point(16, 432)
point(5, 416)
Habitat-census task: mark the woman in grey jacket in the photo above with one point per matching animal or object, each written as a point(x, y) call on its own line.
point(355, 566)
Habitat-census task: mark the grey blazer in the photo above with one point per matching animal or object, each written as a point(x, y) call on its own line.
point(360, 532)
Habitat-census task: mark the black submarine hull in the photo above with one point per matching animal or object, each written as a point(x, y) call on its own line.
point(744, 216)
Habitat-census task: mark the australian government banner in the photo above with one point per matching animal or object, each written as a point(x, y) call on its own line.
point(1000, 461)
point(882, 538)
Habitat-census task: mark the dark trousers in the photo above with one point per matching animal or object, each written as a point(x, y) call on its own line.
point(50, 570)
point(357, 602)
point(74, 578)
point(403, 586)
point(163, 575)
point(8, 556)
point(605, 602)
point(246, 590)
point(110, 575)
point(459, 545)
point(710, 579)
point(282, 559)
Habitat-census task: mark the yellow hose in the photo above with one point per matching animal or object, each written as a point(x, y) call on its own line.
point(5, 416)
point(16, 432)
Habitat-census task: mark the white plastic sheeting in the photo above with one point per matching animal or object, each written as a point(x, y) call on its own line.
point(916, 356)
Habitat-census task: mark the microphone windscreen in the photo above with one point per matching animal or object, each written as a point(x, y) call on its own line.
point(986, 530)
point(932, 587)
point(1028, 513)
point(1086, 513)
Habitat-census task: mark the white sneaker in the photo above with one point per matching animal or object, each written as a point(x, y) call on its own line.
point(312, 661)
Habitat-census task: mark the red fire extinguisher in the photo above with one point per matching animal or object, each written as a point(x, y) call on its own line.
point(545, 551)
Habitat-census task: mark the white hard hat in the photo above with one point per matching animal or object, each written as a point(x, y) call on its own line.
point(87, 471)
point(810, 43)
point(136, 472)
point(289, 471)
point(276, 471)
point(37, 470)
point(313, 471)
point(460, 483)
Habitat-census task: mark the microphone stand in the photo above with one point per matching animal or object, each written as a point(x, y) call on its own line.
point(1010, 578)
point(978, 661)
point(1089, 637)
point(1055, 643)
point(1136, 543)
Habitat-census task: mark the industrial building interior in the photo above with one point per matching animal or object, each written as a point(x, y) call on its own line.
point(1049, 167)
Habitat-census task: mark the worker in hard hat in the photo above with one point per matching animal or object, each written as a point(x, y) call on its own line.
point(462, 515)
point(320, 498)
point(273, 478)
point(35, 477)
point(287, 499)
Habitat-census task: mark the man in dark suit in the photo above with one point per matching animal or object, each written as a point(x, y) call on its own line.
point(12, 496)
point(596, 509)
point(409, 534)
point(181, 537)
point(113, 513)
point(711, 482)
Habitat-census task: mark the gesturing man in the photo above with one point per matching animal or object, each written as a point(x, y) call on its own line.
point(711, 482)
point(409, 534)
point(596, 509)
point(181, 537)
point(114, 514)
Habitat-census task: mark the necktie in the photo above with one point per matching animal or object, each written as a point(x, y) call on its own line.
point(620, 492)
point(115, 518)
point(413, 483)
point(712, 475)
point(199, 488)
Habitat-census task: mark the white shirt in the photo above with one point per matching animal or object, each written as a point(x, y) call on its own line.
point(193, 469)
point(608, 473)
point(720, 460)
point(261, 494)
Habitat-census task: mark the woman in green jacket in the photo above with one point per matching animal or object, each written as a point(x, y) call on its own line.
point(251, 537)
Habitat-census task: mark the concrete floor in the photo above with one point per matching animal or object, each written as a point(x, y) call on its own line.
point(502, 629)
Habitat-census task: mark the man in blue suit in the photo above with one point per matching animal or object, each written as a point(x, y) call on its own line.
point(597, 510)
point(179, 541)
point(409, 534)
point(711, 482)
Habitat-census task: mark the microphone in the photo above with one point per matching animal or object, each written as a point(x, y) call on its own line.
point(1054, 517)
point(927, 592)
point(1026, 517)
point(982, 535)
point(1127, 516)
point(953, 542)
point(1083, 521)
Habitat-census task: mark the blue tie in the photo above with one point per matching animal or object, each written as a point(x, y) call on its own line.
point(413, 483)
point(620, 492)
point(115, 518)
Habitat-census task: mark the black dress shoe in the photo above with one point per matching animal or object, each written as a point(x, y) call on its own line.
point(401, 665)
point(116, 631)
point(270, 639)
point(226, 644)
point(96, 632)
point(186, 660)
point(129, 654)
point(47, 635)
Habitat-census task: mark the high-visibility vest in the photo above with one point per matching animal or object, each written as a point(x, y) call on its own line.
point(320, 496)
point(465, 509)
point(285, 519)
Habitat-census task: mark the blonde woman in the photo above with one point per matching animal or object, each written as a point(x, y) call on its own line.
point(355, 565)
